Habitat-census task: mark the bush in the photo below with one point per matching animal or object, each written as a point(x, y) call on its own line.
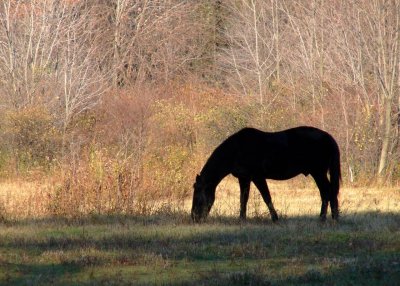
point(97, 185)
point(31, 138)
point(169, 159)
point(222, 120)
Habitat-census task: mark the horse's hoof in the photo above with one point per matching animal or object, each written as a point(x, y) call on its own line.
point(322, 218)
point(335, 215)
point(274, 217)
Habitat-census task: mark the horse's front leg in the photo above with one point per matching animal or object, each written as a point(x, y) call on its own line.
point(334, 206)
point(244, 184)
point(262, 186)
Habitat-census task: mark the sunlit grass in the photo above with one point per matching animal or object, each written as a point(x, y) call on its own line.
point(20, 199)
point(294, 198)
point(291, 200)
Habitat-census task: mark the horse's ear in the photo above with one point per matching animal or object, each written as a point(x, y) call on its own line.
point(197, 178)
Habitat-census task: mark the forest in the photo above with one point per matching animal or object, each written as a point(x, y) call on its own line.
point(111, 107)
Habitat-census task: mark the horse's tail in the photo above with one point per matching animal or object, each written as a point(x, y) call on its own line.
point(334, 169)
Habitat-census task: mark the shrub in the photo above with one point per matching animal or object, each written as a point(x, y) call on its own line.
point(33, 139)
point(99, 184)
point(169, 159)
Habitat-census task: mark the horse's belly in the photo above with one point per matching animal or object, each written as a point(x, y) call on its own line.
point(280, 176)
point(273, 167)
point(283, 172)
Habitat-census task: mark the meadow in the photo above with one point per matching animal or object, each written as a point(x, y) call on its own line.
point(109, 109)
point(163, 247)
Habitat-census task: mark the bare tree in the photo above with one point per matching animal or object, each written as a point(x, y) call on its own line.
point(29, 37)
point(337, 59)
point(253, 45)
point(372, 57)
point(309, 54)
point(50, 44)
point(147, 40)
point(80, 76)
point(380, 21)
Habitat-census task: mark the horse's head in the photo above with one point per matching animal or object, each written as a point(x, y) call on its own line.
point(203, 199)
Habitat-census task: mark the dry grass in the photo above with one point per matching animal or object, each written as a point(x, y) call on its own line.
point(19, 200)
point(300, 198)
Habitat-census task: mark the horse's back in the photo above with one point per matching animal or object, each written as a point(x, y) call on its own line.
point(309, 138)
point(302, 138)
point(282, 154)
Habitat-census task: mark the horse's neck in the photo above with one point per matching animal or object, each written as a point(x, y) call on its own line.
point(213, 175)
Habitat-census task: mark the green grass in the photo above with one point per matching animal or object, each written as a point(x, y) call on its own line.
point(362, 249)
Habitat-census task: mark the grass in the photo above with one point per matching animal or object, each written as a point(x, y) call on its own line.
point(165, 248)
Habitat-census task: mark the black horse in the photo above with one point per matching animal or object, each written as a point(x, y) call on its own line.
point(254, 155)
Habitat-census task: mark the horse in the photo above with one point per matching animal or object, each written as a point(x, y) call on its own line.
point(252, 155)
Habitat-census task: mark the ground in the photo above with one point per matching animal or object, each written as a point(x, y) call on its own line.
point(165, 248)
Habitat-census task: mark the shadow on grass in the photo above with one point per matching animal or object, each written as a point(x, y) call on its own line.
point(363, 247)
point(129, 231)
point(37, 274)
point(373, 220)
point(380, 273)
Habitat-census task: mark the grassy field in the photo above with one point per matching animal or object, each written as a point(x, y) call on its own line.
point(165, 248)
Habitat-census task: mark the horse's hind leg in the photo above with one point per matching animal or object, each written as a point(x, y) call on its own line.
point(262, 186)
point(244, 196)
point(323, 185)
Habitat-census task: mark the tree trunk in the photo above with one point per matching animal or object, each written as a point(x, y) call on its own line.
point(387, 134)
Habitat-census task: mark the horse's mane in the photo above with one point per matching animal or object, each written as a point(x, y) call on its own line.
point(219, 157)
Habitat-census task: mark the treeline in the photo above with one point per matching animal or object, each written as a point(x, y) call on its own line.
point(133, 95)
